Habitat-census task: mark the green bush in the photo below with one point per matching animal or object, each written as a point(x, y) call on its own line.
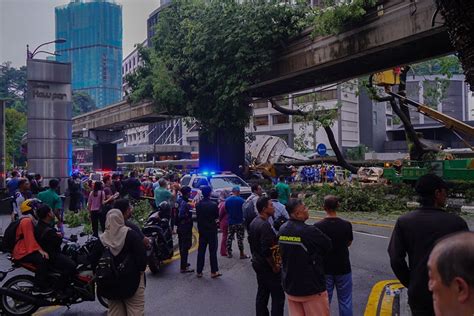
point(141, 211)
point(357, 198)
point(76, 219)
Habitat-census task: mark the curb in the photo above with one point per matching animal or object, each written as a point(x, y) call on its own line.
point(361, 223)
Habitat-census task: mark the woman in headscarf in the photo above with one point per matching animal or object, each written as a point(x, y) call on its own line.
point(223, 223)
point(127, 296)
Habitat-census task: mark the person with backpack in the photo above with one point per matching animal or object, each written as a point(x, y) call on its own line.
point(20, 239)
point(266, 260)
point(185, 228)
point(119, 259)
point(94, 205)
point(281, 216)
point(250, 205)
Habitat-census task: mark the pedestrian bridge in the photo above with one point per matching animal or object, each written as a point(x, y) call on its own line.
point(116, 117)
point(397, 32)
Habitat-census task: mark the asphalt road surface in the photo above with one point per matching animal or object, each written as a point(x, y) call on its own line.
point(172, 293)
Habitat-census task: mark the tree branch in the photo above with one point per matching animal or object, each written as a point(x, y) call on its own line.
point(332, 139)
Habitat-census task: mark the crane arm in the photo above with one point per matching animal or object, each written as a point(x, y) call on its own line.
point(446, 120)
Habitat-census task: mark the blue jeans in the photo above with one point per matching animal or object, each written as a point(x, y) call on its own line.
point(343, 284)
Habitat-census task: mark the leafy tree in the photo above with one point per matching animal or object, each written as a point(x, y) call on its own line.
point(334, 15)
point(15, 127)
point(13, 86)
point(82, 103)
point(206, 54)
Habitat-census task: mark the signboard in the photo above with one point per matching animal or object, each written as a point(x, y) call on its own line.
point(321, 149)
point(49, 120)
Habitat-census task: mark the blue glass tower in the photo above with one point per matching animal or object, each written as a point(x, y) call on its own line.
point(93, 30)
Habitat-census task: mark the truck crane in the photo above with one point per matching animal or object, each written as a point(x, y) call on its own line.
point(410, 171)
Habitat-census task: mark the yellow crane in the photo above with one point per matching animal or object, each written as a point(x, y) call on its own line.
point(391, 77)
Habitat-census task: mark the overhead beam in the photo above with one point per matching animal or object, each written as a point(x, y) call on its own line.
point(400, 33)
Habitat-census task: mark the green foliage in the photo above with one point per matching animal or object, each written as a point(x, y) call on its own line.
point(336, 15)
point(15, 127)
point(13, 86)
point(447, 66)
point(141, 211)
point(82, 103)
point(77, 219)
point(206, 54)
point(358, 198)
point(357, 153)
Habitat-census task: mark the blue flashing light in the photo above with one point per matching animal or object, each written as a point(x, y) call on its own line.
point(213, 172)
point(205, 173)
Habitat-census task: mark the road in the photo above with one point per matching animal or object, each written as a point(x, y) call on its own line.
point(172, 293)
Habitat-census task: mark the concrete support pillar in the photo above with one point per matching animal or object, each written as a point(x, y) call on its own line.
point(222, 152)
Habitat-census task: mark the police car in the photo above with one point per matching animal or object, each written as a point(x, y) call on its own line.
point(217, 181)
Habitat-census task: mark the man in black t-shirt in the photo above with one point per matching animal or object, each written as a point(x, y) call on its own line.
point(337, 266)
point(415, 234)
point(266, 260)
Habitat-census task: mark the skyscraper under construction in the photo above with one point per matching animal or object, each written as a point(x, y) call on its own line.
point(93, 30)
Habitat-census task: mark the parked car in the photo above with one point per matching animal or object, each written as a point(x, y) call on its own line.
point(217, 181)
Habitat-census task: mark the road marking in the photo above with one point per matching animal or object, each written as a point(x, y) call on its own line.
point(47, 310)
point(194, 247)
point(371, 235)
point(361, 223)
point(381, 303)
point(175, 257)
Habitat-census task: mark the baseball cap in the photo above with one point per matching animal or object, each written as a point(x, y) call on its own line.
point(427, 184)
point(236, 189)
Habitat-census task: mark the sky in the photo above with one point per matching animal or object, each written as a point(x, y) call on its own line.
point(32, 22)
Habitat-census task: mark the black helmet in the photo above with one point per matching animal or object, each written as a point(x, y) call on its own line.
point(164, 207)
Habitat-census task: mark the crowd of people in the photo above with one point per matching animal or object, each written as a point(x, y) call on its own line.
point(294, 262)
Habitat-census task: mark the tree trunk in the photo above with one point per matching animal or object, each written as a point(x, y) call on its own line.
point(332, 140)
point(340, 158)
point(459, 18)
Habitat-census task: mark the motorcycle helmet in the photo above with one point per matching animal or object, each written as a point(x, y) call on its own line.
point(164, 209)
point(30, 205)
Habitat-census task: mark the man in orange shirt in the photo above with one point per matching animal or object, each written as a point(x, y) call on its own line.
point(28, 250)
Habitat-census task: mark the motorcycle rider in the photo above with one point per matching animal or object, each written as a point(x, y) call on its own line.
point(50, 240)
point(27, 249)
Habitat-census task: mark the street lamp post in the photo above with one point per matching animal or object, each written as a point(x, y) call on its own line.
point(30, 55)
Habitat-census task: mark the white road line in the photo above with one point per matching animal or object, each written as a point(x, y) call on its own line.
point(371, 235)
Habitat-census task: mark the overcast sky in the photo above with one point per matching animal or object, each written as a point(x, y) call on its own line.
point(32, 22)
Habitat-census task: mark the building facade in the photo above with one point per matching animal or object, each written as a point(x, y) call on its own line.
point(93, 33)
point(129, 66)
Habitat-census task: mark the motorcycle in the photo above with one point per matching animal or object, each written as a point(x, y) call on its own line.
point(158, 230)
point(16, 296)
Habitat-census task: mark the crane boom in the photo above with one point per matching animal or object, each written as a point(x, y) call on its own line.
point(446, 120)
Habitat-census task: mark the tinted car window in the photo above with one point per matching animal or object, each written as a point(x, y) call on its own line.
point(198, 182)
point(225, 182)
point(185, 180)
